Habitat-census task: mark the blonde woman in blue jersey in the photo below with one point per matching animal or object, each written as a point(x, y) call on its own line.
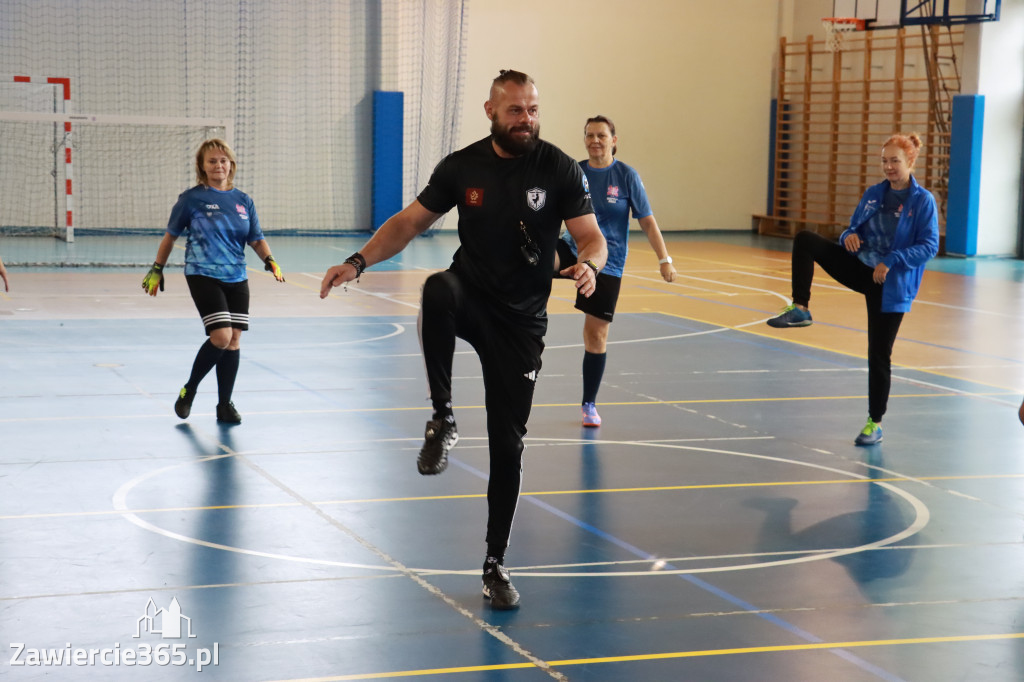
point(615, 189)
point(219, 221)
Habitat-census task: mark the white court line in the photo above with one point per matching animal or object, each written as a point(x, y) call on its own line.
point(921, 519)
point(359, 290)
point(755, 555)
point(719, 283)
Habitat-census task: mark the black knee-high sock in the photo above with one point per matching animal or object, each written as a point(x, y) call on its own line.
point(593, 371)
point(206, 359)
point(227, 370)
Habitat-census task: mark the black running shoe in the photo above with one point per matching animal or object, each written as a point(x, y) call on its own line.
point(183, 405)
point(499, 589)
point(227, 413)
point(440, 437)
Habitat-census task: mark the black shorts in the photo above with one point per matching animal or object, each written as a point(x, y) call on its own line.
point(220, 304)
point(602, 302)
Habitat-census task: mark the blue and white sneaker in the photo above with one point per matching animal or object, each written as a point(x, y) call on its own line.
point(871, 434)
point(590, 415)
point(791, 316)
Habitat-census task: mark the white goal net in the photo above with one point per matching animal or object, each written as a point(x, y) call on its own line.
point(63, 174)
point(295, 80)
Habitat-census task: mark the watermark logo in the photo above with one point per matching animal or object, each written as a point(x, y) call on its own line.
point(164, 622)
point(169, 623)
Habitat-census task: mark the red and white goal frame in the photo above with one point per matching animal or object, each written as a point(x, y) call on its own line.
point(65, 84)
point(68, 118)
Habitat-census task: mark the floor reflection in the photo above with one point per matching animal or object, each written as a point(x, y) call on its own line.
point(882, 517)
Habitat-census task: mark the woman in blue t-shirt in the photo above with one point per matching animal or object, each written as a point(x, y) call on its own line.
point(219, 221)
point(615, 190)
point(892, 234)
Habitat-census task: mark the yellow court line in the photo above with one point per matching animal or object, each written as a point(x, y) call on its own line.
point(539, 493)
point(764, 335)
point(695, 401)
point(815, 646)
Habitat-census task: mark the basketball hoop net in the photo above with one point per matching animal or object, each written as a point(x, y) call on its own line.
point(836, 29)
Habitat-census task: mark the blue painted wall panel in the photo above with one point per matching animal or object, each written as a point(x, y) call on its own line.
point(387, 155)
point(964, 175)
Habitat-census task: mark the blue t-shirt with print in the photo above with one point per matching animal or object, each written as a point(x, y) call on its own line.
point(881, 228)
point(615, 191)
point(219, 225)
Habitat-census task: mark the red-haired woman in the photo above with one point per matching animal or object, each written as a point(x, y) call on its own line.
point(892, 234)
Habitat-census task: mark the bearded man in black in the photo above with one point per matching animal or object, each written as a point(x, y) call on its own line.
point(513, 191)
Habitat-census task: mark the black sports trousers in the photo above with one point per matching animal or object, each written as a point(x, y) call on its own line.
point(510, 360)
point(844, 267)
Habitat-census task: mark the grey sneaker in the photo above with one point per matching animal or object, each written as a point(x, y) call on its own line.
point(791, 316)
point(871, 434)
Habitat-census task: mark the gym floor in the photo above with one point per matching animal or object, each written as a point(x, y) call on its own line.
point(720, 525)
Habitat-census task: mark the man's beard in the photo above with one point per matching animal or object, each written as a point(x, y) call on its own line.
point(516, 146)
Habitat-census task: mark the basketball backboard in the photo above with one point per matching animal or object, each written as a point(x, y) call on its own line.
point(879, 14)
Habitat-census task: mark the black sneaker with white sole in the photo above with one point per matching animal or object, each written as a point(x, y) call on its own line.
point(499, 589)
point(440, 437)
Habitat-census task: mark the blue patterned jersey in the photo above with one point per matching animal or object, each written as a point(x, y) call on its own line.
point(881, 228)
point(614, 191)
point(219, 225)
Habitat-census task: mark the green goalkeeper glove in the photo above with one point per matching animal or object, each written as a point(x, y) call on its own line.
point(273, 268)
point(153, 279)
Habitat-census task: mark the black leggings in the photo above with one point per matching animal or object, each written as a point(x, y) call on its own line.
point(844, 267)
point(510, 360)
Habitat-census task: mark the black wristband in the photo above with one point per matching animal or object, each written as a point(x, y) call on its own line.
point(269, 259)
point(157, 266)
point(357, 261)
point(592, 265)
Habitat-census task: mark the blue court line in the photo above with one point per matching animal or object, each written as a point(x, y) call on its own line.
point(702, 584)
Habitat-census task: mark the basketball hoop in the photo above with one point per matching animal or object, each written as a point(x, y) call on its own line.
point(836, 29)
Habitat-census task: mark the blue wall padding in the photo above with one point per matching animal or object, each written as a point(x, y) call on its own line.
point(387, 155)
point(964, 175)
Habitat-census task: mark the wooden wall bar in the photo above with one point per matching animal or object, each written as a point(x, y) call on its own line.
point(836, 108)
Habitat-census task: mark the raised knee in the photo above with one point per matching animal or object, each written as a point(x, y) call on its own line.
point(803, 237)
point(438, 289)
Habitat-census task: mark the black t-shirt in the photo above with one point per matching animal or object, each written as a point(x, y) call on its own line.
point(540, 189)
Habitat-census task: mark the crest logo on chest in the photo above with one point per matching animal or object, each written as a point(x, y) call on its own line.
point(536, 198)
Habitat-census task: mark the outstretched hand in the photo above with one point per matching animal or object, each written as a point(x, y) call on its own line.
point(336, 276)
